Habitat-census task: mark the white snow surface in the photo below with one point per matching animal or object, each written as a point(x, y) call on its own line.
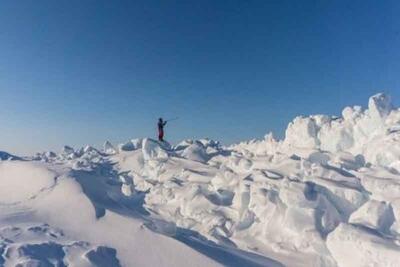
point(328, 194)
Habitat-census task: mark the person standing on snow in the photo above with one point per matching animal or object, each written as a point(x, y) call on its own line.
point(161, 125)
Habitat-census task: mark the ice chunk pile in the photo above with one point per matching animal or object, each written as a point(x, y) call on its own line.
point(330, 177)
point(7, 156)
point(373, 133)
point(327, 195)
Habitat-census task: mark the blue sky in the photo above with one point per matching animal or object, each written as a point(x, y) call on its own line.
point(82, 72)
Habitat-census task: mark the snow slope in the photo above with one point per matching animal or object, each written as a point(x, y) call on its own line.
point(326, 195)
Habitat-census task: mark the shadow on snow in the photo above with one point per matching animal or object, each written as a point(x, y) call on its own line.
point(103, 187)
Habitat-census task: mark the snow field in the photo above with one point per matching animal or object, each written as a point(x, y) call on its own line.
point(327, 195)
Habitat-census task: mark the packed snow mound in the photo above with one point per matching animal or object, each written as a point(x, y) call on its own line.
point(303, 132)
point(379, 106)
point(354, 246)
point(196, 152)
point(130, 145)
point(154, 150)
point(21, 181)
point(375, 215)
point(109, 148)
point(67, 151)
point(199, 150)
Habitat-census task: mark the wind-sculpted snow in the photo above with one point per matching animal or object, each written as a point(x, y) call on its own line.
point(16, 186)
point(327, 195)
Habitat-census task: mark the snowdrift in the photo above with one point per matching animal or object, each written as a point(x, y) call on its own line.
point(328, 194)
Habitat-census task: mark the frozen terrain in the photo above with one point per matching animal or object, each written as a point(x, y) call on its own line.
point(326, 195)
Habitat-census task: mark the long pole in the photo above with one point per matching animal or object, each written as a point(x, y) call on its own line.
point(173, 119)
